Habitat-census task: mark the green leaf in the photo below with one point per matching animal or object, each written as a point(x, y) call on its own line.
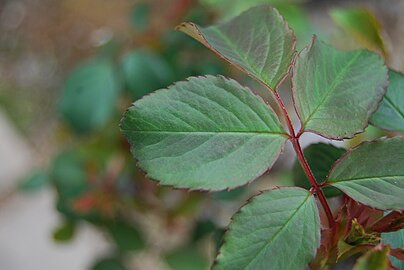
point(278, 229)
point(320, 157)
point(335, 92)
point(65, 231)
point(390, 114)
point(362, 25)
point(395, 240)
point(140, 16)
point(187, 258)
point(206, 133)
point(258, 42)
point(145, 72)
point(34, 181)
point(373, 174)
point(89, 97)
point(126, 236)
point(376, 259)
point(109, 264)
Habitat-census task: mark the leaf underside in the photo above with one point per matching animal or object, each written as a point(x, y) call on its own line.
point(259, 42)
point(278, 229)
point(390, 114)
point(206, 133)
point(373, 174)
point(335, 92)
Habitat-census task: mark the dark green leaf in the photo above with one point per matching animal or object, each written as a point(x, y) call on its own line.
point(373, 174)
point(69, 175)
point(187, 258)
point(265, 50)
point(376, 259)
point(395, 240)
point(361, 24)
point(140, 16)
point(65, 231)
point(335, 92)
point(229, 195)
point(390, 114)
point(109, 264)
point(35, 181)
point(145, 72)
point(202, 228)
point(89, 96)
point(320, 157)
point(126, 236)
point(206, 133)
point(278, 229)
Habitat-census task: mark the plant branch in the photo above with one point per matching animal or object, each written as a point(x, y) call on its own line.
point(303, 162)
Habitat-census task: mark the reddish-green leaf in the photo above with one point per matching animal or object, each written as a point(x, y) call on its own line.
point(373, 174)
point(390, 114)
point(206, 133)
point(278, 230)
point(335, 92)
point(259, 42)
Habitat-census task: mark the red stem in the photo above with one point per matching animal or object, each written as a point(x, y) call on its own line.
point(303, 162)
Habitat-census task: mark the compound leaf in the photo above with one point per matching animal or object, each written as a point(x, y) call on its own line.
point(335, 92)
point(258, 42)
point(206, 133)
point(390, 114)
point(373, 174)
point(278, 229)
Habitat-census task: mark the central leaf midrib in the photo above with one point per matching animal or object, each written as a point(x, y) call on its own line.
point(332, 87)
point(387, 177)
point(394, 107)
point(206, 132)
point(279, 231)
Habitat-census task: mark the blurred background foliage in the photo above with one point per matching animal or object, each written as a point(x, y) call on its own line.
point(70, 68)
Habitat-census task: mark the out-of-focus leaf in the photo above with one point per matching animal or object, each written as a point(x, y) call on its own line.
point(298, 20)
point(278, 229)
point(265, 53)
point(333, 93)
point(375, 259)
point(362, 25)
point(140, 16)
point(395, 240)
point(373, 174)
point(34, 181)
point(126, 236)
point(109, 264)
point(69, 175)
point(390, 114)
point(320, 157)
point(89, 96)
point(206, 133)
point(144, 72)
point(229, 195)
point(187, 258)
point(65, 231)
point(202, 228)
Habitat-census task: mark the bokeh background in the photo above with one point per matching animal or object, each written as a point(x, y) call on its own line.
point(70, 194)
